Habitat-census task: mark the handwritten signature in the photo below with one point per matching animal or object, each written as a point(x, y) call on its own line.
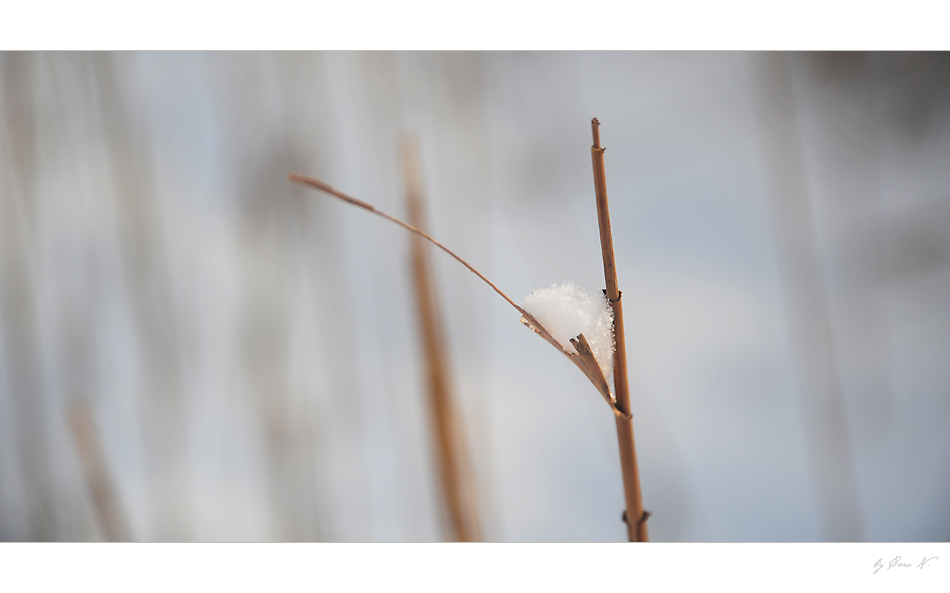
point(897, 563)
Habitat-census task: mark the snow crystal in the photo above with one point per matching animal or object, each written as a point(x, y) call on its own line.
point(568, 310)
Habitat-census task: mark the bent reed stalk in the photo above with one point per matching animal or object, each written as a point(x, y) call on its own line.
point(583, 358)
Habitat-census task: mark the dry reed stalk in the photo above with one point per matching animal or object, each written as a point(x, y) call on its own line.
point(20, 300)
point(583, 358)
point(450, 450)
point(147, 284)
point(108, 511)
point(815, 356)
point(634, 516)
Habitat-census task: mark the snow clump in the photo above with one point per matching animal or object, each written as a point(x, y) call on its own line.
point(568, 310)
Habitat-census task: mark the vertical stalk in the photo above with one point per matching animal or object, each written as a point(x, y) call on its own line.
point(450, 451)
point(104, 497)
point(806, 304)
point(20, 296)
point(635, 516)
point(148, 285)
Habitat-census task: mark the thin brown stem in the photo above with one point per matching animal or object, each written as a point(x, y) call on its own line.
point(584, 361)
point(635, 516)
point(450, 450)
point(111, 518)
point(346, 198)
point(815, 355)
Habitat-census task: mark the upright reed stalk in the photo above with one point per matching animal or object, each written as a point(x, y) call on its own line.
point(635, 516)
point(582, 355)
point(450, 450)
point(104, 499)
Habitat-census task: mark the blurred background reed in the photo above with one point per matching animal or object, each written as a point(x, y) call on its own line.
point(194, 348)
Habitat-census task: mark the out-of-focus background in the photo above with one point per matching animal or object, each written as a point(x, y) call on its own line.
point(194, 348)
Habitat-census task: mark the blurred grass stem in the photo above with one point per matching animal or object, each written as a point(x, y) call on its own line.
point(450, 450)
point(86, 437)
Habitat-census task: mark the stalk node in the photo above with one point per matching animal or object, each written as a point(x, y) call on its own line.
point(643, 518)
